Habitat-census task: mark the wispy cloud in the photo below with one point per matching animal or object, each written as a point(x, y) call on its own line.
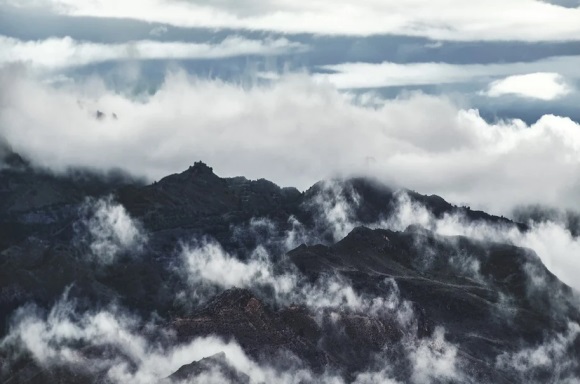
point(439, 20)
point(54, 340)
point(529, 77)
point(107, 230)
point(58, 53)
point(555, 245)
point(208, 269)
point(553, 356)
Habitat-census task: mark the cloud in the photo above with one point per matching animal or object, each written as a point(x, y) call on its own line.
point(309, 130)
point(432, 359)
point(387, 74)
point(542, 86)
point(120, 347)
point(442, 20)
point(108, 230)
point(62, 337)
point(552, 358)
point(435, 359)
point(208, 269)
point(60, 53)
point(333, 206)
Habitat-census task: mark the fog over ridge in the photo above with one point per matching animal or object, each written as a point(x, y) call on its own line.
point(444, 149)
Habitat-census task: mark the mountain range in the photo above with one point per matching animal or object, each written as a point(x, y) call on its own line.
point(105, 278)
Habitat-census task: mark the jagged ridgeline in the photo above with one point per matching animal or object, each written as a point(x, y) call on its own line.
point(197, 278)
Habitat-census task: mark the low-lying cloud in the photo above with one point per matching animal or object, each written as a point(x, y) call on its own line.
point(209, 269)
point(553, 242)
point(108, 230)
point(143, 352)
point(549, 358)
point(309, 130)
point(62, 337)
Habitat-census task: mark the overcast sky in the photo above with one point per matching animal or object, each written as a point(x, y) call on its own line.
point(477, 102)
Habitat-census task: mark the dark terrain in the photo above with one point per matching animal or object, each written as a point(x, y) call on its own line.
point(492, 310)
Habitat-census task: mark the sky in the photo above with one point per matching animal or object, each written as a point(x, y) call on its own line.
point(476, 102)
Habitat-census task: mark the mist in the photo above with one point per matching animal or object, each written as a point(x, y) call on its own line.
point(309, 130)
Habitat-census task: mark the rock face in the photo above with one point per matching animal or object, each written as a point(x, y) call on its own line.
point(446, 289)
point(217, 364)
point(291, 331)
point(261, 331)
point(345, 306)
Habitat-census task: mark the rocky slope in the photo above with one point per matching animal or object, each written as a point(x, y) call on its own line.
point(319, 284)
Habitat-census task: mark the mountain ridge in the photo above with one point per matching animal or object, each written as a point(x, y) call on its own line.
point(308, 277)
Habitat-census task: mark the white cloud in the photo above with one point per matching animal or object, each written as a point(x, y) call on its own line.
point(58, 340)
point(58, 53)
point(542, 85)
point(295, 132)
point(439, 20)
point(525, 79)
point(62, 337)
point(435, 359)
point(108, 230)
point(333, 206)
point(207, 266)
point(208, 263)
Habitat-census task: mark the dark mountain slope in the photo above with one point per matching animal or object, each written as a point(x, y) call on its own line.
point(439, 275)
point(491, 299)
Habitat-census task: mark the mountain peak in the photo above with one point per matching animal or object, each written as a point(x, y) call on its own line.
point(9, 158)
point(199, 167)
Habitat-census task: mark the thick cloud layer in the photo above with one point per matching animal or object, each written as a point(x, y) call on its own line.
point(294, 132)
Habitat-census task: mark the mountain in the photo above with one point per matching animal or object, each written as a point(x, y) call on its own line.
point(103, 277)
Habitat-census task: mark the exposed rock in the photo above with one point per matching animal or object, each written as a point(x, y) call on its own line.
point(216, 366)
point(480, 292)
